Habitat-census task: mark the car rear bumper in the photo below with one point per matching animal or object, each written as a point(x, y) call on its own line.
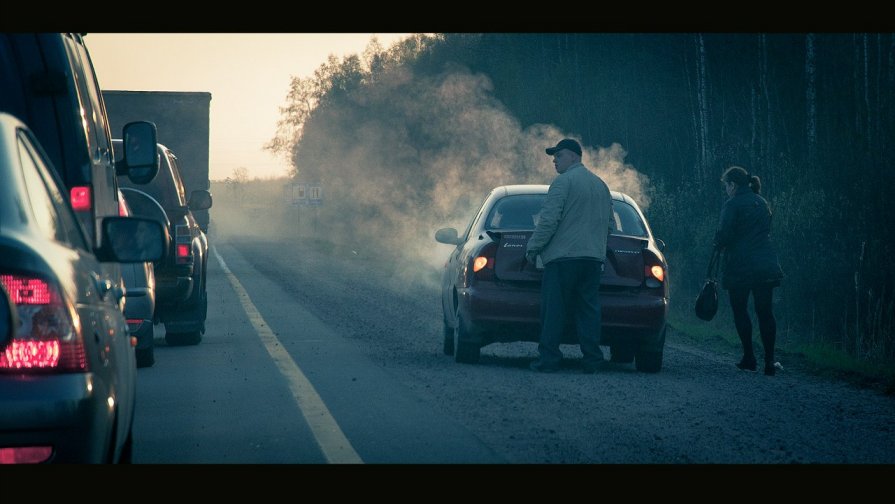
point(513, 314)
point(144, 333)
point(69, 412)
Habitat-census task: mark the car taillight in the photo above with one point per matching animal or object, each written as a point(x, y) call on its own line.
point(81, 198)
point(48, 336)
point(25, 454)
point(182, 241)
point(654, 271)
point(183, 252)
point(483, 262)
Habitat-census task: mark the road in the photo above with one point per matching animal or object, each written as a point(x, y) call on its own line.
point(318, 355)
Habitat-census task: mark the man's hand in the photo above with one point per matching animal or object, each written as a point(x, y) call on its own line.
point(531, 256)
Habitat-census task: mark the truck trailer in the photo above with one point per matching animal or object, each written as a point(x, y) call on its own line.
point(182, 122)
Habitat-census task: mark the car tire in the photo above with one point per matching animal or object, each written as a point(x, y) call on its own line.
point(622, 353)
point(127, 451)
point(198, 312)
point(448, 338)
point(649, 360)
point(465, 351)
point(146, 356)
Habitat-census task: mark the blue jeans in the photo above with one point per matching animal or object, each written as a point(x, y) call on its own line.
point(570, 288)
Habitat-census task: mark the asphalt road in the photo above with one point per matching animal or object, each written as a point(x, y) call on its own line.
point(334, 356)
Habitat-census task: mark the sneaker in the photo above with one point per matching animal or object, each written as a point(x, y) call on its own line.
point(771, 369)
point(748, 364)
point(539, 367)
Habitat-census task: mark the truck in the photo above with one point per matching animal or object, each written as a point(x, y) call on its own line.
point(182, 123)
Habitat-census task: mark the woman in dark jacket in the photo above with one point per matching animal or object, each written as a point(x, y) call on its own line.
point(750, 263)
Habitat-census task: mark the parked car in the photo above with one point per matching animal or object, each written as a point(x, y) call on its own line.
point(47, 80)
point(181, 297)
point(139, 309)
point(491, 293)
point(67, 374)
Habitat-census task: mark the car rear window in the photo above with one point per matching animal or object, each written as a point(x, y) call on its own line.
point(626, 220)
point(165, 188)
point(515, 212)
point(522, 211)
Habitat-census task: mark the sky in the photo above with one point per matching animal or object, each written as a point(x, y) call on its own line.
point(247, 74)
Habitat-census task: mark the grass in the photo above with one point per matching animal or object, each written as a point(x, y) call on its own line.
point(820, 359)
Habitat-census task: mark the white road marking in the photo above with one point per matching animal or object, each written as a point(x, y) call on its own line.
point(329, 436)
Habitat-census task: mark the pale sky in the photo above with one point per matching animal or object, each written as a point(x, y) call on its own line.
point(247, 75)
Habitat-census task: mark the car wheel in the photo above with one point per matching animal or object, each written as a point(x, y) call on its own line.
point(647, 358)
point(465, 351)
point(146, 356)
point(622, 353)
point(198, 314)
point(448, 338)
point(127, 451)
point(183, 338)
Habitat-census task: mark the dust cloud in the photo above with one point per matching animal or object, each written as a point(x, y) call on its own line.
point(412, 155)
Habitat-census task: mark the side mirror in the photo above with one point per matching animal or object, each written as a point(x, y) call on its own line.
point(447, 235)
point(200, 199)
point(8, 321)
point(132, 240)
point(660, 244)
point(141, 158)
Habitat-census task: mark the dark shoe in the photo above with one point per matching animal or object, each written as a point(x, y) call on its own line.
point(591, 368)
point(747, 364)
point(770, 369)
point(539, 367)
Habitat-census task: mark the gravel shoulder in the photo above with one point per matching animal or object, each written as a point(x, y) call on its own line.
point(699, 409)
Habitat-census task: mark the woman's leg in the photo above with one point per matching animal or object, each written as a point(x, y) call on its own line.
point(739, 299)
point(767, 325)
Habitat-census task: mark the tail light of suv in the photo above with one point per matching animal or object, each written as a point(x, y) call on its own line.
point(182, 240)
point(49, 334)
point(81, 198)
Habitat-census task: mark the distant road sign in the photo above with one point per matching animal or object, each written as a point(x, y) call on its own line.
point(304, 194)
point(315, 195)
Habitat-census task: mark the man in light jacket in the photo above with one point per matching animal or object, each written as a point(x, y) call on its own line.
point(571, 239)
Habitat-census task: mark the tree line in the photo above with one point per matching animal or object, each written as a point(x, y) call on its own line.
point(812, 115)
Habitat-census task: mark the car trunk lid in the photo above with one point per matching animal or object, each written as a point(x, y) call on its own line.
point(509, 262)
point(624, 261)
point(623, 266)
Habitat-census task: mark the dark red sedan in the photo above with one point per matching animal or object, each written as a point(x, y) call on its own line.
point(491, 293)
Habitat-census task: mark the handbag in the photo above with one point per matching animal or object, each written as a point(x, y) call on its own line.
point(707, 301)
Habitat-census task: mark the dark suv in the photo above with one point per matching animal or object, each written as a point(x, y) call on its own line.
point(48, 82)
point(181, 300)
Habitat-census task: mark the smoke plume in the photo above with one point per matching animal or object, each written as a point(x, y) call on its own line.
point(408, 156)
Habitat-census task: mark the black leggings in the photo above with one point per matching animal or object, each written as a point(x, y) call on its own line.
point(767, 325)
